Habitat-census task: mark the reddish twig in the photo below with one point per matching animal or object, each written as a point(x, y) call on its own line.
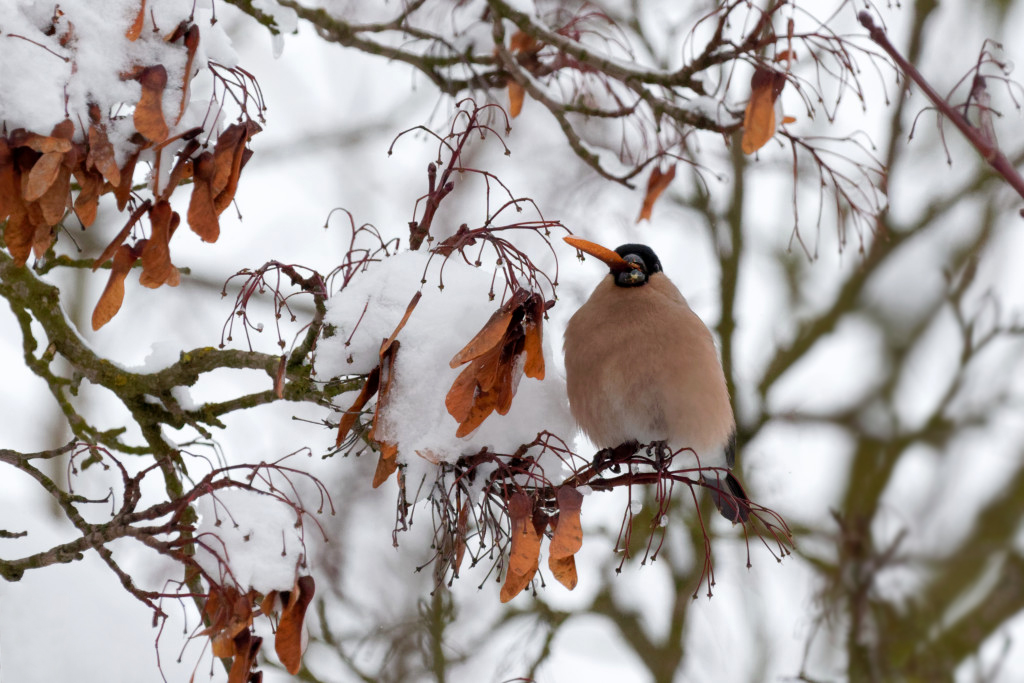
point(988, 149)
point(522, 472)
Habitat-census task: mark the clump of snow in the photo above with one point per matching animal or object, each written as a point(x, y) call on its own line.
point(367, 312)
point(162, 355)
point(712, 108)
point(285, 19)
point(184, 398)
point(255, 534)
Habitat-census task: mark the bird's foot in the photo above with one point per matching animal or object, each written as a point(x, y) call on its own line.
point(615, 455)
point(662, 454)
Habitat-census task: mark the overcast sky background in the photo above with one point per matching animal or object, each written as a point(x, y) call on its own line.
point(332, 114)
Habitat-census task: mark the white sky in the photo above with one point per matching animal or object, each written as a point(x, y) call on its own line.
point(319, 93)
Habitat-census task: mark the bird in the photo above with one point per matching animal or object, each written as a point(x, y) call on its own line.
point(642, 368)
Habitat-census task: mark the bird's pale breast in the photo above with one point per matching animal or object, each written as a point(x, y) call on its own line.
point(641, 365)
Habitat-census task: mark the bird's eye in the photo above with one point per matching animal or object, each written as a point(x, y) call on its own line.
point(636, 261)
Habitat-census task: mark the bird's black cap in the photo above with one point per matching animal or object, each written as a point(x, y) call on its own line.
point(642, 255)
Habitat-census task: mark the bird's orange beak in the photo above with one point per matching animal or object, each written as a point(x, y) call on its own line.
point(611, 258)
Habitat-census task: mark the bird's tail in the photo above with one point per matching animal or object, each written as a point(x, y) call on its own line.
point(728, 496)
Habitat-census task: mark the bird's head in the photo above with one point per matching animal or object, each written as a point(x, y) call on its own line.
point(643, 261)
point(631, 264)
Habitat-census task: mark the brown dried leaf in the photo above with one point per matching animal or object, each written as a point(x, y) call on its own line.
point(510, 373)
point(467, 401)
point(388, 461)
point(568, 537)
point(524, 555)
point(269, 604)
point(656, 184)
point(181, 170)
point(44, 172)
point(516, 94)
point(224, 199)
point(229, 157)
point(246, 646)
point(386, 464)
point(88, 199)
point(202, 217)
point(101, 155)
point(489, 367)
point(462, 395)
point(123, 191)
point(10, 182)
point(246, 152)
point(149, 113)
point(175, 222)
point(45, 144)
point(178, 32)
point(76, 157)
point(54, 202)
point(191, 45)
point(211, 611)
point(238, 608)
point(492, 378)
point(288, 641)
point(113, 294)
point(119, 239)
point(348, 420)
point(19, 233)
point(174, 278)
point(401, 323)
point(224, 155)
point(481, 409)
point(523, 42)
point(533, 345)
point(42, 238)
point(64, 130)
point(156, 255)
point(135, 30)
point(759, 119)
point(514, 585)
point(387, 373)
point(203, 168)
point(493, 331)
point(230, 616)
point(222, 646)
point(564, 570)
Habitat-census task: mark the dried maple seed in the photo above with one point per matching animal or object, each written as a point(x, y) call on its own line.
point(759, 118)
point(656, 184)
point(149, 113)
point(490, 381)
point(524, 553)
point(288, 640)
